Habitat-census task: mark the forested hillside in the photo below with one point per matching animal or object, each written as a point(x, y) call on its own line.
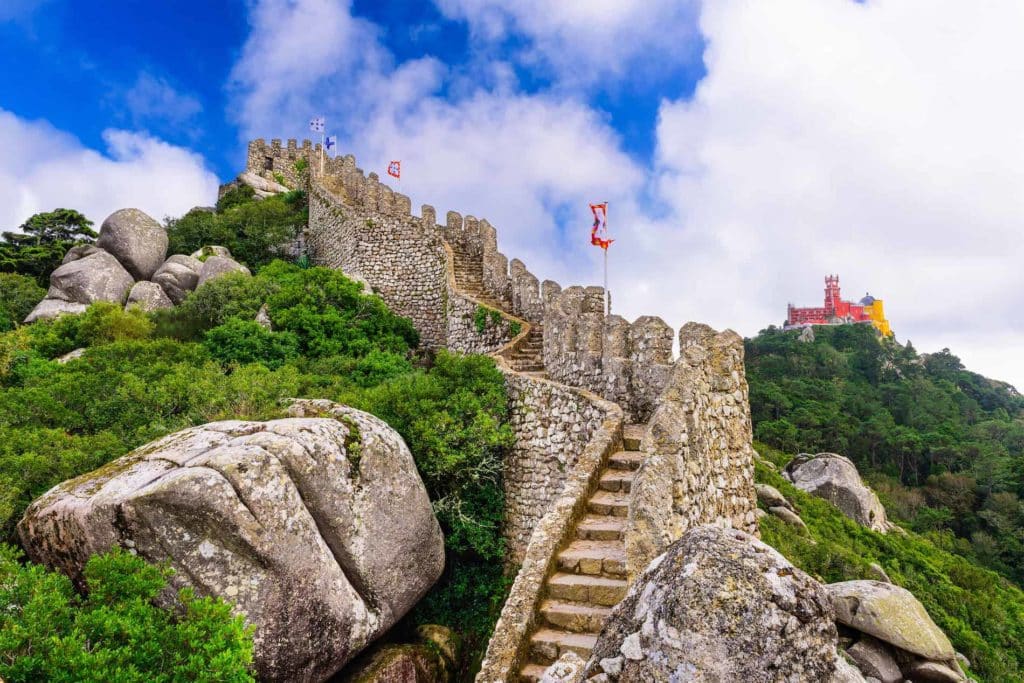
point(943, 446)
point(143, 375)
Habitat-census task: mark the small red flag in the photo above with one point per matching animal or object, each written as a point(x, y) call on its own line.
point(395, 169)
point(599, 233)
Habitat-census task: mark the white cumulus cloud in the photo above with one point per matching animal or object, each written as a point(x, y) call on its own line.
point(584, 42)
point(880, 141)
point(877, 140)
point(43, 168)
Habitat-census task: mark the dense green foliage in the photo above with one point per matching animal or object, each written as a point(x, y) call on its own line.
point(39, 246)
point(143, 376)
point(251, 230)
point(980, 611)
point(18, 296)
point(944, 447)
point(115, 632)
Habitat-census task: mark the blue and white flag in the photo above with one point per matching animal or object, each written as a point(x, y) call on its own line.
point(330, 142)
point(317, 124)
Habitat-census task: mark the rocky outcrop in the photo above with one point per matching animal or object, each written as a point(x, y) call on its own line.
point(874, 659)
point(148, 296)
point(136, 240)
point(433, 658)
point(835, 478)
point(771, 497)
point(212, 250)
point(96, 277)
point(317, 527)
point(719, 605)
point(48, 309)
point(79, 251)
point(262, 186)
point(894, 638)
point(178, 276)
point(891, 614)
point(215, 266)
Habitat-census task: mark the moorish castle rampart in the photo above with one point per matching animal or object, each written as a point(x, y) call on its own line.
point(620, 445)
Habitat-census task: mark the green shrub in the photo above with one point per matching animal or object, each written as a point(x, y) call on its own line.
point(480, 319)
point(104, 322)
point(115, 632)
point(246, 341)
point(251, 229)
point(19, 294)
point(235, 196)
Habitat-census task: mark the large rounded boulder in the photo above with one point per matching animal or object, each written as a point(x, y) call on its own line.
point(178, 276)
point(148, 296)
point(136, 240)
point(317, 527)
point(835, 478)
point(96, 277)
point(892, 615)
point(216, 266)
point(48, 309)
point(719, 605)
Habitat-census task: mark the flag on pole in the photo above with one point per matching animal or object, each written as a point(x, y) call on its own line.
point(599, 233)
point(331, 142)
point(395, 169)
point(316, 124)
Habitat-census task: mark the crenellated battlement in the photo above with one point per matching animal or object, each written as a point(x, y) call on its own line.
point(582, 374)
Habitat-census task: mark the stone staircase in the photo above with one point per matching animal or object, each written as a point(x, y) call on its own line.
point(528, 356)
point(591, 574)
point(469, 277)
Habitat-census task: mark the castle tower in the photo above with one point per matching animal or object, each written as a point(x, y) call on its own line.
point(832, 297)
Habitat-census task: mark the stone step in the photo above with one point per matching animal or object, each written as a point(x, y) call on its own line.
point(596, 590)
point(625, 460)
point(547, 645)
point(529, 368)
point(596, 558)
point(601, 528)
point(617, 480)
point(577, 617)
point(632, 435)
point(609, 503)
point(532, 673)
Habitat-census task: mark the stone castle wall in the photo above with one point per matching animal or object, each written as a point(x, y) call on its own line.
point(553, 425)
point(361, 226)
point(699, 468)
point(603, 371)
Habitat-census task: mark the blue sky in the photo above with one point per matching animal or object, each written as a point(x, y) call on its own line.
point(87, 66)
point(747, 148)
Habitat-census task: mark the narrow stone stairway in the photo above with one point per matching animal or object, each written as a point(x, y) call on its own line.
point(591, 576)
point(469, 277)
point(528, 357)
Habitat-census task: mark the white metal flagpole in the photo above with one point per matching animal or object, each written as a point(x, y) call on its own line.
point(607, 298)
point(323, 139)
point(607, 295)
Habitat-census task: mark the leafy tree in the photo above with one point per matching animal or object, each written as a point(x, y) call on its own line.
point(114, 632)
point(42, 242)
point(59, 225)
point(18, 296)
point(252, 229)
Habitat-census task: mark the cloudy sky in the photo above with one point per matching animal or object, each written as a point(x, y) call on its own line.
point(746, 147)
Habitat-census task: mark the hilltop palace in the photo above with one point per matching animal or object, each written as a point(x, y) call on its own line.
point(838, 312)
